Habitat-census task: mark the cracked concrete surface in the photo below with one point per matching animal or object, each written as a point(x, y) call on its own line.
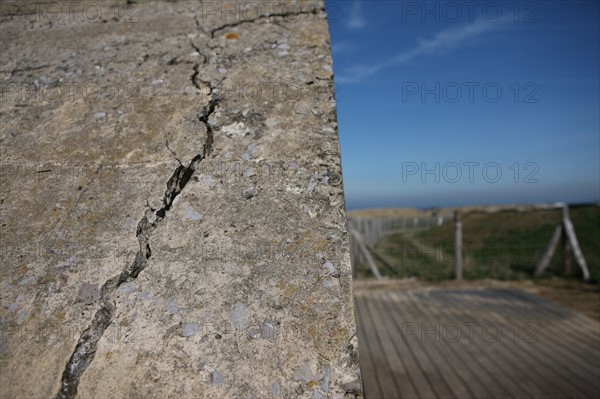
point(172, 204)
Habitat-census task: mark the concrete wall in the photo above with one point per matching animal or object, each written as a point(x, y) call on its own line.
point(172, 206)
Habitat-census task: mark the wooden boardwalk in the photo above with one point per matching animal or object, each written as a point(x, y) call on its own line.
point(472, 343)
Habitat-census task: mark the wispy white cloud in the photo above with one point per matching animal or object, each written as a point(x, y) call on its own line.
point(356, 19)
point(342, 47)
point(441, 43)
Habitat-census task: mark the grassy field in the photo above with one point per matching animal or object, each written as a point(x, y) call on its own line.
point(505, 245)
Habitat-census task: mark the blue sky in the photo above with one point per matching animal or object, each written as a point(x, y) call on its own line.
point(460, 103)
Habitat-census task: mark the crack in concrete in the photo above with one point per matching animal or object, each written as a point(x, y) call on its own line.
point(195, 75)
point(314, 11)
point(171, 151)
point(86, 347)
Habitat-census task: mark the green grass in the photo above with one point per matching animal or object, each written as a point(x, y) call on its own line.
point(504, 245)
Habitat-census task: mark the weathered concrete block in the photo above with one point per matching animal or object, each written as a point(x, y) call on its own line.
point(172, 206)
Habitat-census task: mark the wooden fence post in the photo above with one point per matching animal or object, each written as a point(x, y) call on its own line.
point(566, 251)
point(458, 264)
point(569, 231)
point(550, 248)
point(365, 251)
point(569, 243)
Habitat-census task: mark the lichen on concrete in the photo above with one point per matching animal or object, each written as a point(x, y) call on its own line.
point(172, 204)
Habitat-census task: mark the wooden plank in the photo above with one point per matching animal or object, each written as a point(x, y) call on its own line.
point(412, 355)
point(521, 373)
point(409, 359)
point(537, 354)
point(454, 372)
point(502, 379)
point(367, 362)
point(560, 364)
point(486, 371)
point(584, 331)
point(406, 385)
point(562, 345)
point(385, 373)
point(430, 367)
